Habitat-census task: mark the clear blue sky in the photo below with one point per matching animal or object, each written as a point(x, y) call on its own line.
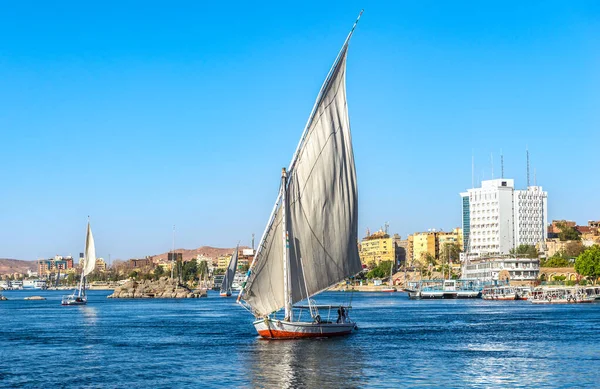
point(144, 115)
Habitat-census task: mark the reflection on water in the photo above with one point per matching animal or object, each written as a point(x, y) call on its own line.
point(306, 363)
point(211, 343)
point(90, 314)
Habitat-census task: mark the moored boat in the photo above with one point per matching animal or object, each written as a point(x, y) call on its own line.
point(443, 289)
point(523, 292)
point(561, 295)
point(309, 243)
point(499, 292)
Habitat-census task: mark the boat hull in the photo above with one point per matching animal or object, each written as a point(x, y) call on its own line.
point(508, 297)
point(73, 302)
point(561, 301)
point(228, 294)
point(280, 329)
point(429, 295)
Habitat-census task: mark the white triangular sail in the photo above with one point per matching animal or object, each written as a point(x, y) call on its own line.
point(230, 273)
point(322, 209)
point(89, 260)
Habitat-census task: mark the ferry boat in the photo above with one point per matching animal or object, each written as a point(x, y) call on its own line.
point(499, 292)
point(444, 289)
point(561, 295)
point(16, 285)
point(34, 284)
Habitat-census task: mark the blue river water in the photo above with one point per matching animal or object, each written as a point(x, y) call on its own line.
point(211, 342)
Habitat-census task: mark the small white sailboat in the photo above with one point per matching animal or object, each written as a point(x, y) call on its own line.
point(229, 274)
point(391, 288)
point(89, 263)
point(310, 241)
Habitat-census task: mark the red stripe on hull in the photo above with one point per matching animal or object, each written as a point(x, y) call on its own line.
point(277, 334)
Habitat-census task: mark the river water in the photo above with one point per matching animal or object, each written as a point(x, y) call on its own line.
point(211, 342)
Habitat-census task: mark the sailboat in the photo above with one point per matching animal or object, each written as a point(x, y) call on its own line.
point(89, 262)
point(230, 274)
point(310, 241)
point(391, 288)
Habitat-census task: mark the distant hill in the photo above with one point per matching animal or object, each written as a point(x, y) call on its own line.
point(9, 266)
point(207, 251)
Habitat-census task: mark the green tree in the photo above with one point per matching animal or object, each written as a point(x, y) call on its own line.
point(189, 270)
point(382, 270)
point(158, 272)
point(133, 274)
point(567, 232)
point(451, 252)
point(525, 250)
point(588, 263)
point(202, 268)
point(556, 261)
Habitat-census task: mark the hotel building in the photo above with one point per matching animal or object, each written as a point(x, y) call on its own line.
point(497, 217)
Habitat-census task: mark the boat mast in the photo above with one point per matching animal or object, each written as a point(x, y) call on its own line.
point(286, 248)
point(85, 259)
point(291, 166)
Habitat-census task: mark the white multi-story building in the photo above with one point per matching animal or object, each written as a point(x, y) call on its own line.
point(498, 218)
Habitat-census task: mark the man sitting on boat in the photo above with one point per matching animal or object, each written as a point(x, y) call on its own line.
point(341, 315)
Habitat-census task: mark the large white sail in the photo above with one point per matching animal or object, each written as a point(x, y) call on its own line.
point(230, 274)
point(322, 208)
point(89, 260)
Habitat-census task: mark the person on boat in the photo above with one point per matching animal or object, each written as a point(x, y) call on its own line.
point(341, 315)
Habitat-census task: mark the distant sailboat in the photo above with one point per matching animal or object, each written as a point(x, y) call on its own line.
point(391, 288)
point(310, 241)
point(89, 263)
point(229, 275)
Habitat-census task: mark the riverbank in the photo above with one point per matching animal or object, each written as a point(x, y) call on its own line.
point(162, 288)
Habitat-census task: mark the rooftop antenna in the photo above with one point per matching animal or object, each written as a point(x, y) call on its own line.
point(387, 225)
point(173, 253)
point(492, 159)
point(527, 150)
point(501, 164)
point(253, 242)
point(472, 170)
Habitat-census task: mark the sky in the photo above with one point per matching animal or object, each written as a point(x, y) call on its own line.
point(146, 115)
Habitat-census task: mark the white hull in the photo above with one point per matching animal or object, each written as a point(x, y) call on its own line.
point(73, 300)
point(439, 294)
point(279, 329)
point(502, 297)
